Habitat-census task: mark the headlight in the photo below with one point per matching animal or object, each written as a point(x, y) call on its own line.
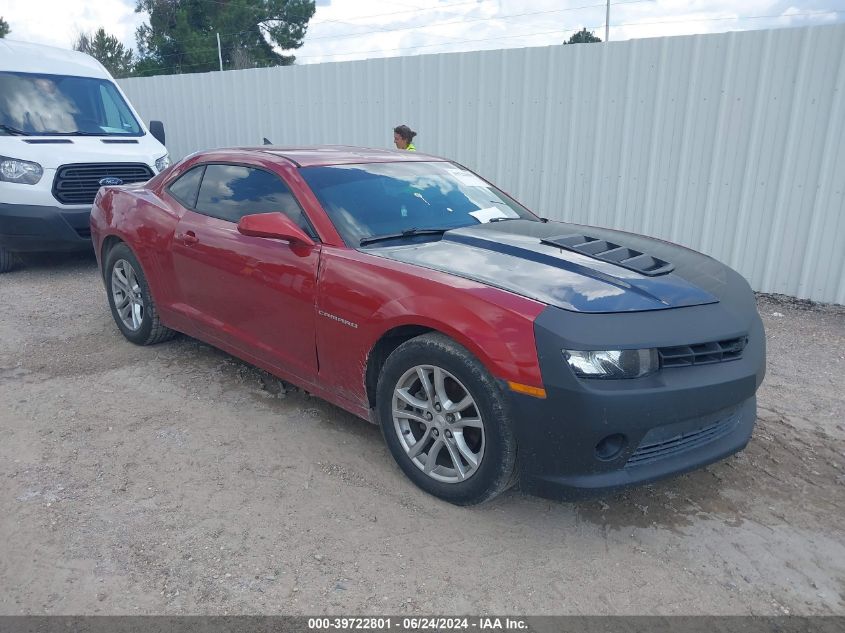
point(20, 171)
point(624, 363)
point(163, 163)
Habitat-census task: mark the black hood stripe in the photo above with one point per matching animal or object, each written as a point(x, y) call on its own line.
point(512, 256)
point(548, 260)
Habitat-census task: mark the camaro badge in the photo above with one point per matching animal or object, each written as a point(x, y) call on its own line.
point(334, 317)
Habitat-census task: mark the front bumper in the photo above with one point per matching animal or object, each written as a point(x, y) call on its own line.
point(674, 421)
point(33, 228)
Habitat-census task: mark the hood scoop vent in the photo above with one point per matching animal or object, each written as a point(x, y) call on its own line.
point(47, 141)
point(612, 253)
point(119, 141)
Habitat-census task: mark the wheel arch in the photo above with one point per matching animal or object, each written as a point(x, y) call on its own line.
point(384, 347)
point(144, 261)
point(501, 340)
point(109, 242)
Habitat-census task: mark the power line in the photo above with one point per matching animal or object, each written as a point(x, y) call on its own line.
point(382, 15)
point(468, 20)
point(751, 17)
point(407, 28)
point(293, 14)
point(374, 15)
point(729, 17)
point(556, 31)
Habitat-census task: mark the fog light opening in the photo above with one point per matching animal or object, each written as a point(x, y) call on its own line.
point(610, 447)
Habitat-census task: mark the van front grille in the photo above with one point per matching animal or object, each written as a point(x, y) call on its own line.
point(78, 183)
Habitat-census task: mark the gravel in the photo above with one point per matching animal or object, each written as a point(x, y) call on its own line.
point(176, 479)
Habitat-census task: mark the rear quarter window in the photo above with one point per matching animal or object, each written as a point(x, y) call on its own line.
point(186, 187)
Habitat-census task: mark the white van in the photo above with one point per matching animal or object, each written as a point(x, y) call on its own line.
point(66, 129)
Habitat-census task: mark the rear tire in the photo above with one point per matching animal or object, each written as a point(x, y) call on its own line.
point(131, 303)
point(7, 260)
point(446, 421)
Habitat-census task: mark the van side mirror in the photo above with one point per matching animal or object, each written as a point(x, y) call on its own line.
point(157, 130)
point(273, 225)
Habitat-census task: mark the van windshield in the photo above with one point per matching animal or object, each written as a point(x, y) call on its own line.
point(57, 105)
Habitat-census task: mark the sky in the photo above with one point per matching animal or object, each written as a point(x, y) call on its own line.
point(360, 29)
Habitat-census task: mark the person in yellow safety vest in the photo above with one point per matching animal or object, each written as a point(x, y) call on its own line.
point(402, 137)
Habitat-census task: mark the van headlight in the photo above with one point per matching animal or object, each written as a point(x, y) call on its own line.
point(20, 171)
point(162, 163)
point(622, 363)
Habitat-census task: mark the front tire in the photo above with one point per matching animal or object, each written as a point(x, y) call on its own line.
point(131, 303)
point(445, 420)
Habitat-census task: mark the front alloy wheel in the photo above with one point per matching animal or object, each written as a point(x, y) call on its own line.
point(438, 424)
point(446, 420)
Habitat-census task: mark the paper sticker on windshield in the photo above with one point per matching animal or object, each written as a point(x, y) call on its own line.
point(467, 179)
point(485, 215)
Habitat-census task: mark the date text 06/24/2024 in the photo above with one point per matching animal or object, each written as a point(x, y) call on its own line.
point(415, 623)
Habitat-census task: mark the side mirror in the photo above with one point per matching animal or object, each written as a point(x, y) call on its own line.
point(157, 130)
point(273, 225)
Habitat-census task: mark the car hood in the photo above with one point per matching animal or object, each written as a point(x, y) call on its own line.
point(517, 256)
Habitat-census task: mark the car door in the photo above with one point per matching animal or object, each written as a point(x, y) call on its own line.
point(254, 294)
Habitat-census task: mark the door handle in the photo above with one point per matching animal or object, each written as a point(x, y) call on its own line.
point(189, 239)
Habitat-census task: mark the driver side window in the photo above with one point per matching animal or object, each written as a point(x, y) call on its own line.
point(229, 192)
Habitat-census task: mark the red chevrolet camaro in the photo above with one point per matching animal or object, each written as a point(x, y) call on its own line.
point(491, 346)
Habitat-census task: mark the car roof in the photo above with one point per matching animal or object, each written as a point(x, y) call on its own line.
point(25, 57)
point(340, 155)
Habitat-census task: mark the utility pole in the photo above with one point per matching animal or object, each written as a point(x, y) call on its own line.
point(220, 54)
point(607, 24)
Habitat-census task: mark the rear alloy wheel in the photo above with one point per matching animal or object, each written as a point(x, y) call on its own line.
point(127, 296)
point(130, 300)
point(445, 420)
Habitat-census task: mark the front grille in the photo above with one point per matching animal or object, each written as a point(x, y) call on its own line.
point(651, 450)
point(78, 183)
point(702, 353)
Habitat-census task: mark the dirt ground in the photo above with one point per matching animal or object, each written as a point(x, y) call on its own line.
point(176, 479)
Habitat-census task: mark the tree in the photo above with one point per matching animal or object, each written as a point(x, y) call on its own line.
point(4, 28)
point(181, 35)
point(107, 50)
point(583, 37)
point(240, 59)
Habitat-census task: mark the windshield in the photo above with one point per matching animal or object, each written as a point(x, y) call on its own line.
point(60, 105)
point(383, 199)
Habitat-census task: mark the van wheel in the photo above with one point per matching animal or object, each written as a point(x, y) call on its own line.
point(445, 421)
point(130, 300)
point(7, 260)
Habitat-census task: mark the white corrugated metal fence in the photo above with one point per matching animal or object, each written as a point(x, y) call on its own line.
point(731, 144)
